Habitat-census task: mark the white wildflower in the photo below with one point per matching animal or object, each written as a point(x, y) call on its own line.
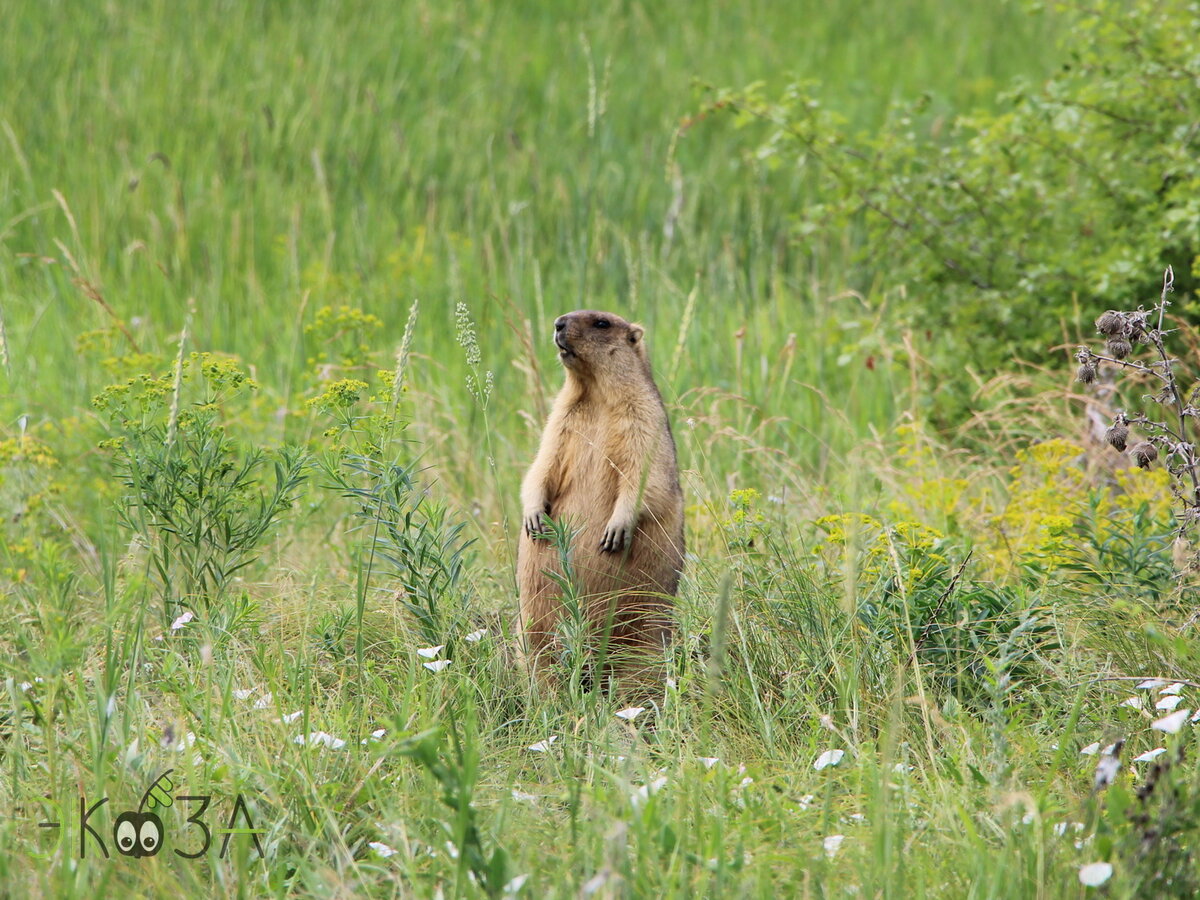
point(475, 636)
point(833, 843)
point(630, 713)
point(1150, 755)
point(543, 746)
point(436, 665)
point(1169, 702)
point(1095, 874)
point(382, 849)
point(182, 620)
point(320, 737)
point(829, 758)
point(1172, 723)
point(430, 652)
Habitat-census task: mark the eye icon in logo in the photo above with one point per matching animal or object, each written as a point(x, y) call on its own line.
point(140, 833)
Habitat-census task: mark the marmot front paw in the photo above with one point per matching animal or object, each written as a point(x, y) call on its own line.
point(617, 536)
point(536, 523)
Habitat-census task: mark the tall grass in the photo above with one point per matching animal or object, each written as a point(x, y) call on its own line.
point(525, 159)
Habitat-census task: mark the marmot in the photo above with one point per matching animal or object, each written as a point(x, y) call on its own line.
point(607, 470)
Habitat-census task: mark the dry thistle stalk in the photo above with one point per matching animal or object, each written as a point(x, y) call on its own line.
point(1169, 434)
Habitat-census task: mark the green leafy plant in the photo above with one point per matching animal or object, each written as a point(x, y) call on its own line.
point(1087, 178)
point(201, 502)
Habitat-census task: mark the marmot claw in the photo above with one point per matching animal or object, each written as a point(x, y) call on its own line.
point(616, 537)
point(536, 525)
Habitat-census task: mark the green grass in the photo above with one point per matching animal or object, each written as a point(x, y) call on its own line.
point(272, 162)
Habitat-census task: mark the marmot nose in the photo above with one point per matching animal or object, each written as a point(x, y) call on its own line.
point(560, 323)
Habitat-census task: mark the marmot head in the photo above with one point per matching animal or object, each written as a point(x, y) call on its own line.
point(592, 344)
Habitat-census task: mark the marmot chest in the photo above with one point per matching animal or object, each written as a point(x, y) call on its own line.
point(592, 454)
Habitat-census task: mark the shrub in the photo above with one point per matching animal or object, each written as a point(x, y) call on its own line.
point(1088, 179)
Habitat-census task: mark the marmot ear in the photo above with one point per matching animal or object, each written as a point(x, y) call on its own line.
point(635, 333)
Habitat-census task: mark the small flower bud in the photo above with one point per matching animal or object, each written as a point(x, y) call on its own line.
point(1144, 453)
point(1086, 373)
point(1117, 434)
point(1111, 323)
point(1119, 346)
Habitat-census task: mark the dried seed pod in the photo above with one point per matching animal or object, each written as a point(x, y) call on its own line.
point(1117, 434)
point(1181, 554)
point(1119, 346)
point(1144, 453)
point(1086, 372)
point(1112, 322)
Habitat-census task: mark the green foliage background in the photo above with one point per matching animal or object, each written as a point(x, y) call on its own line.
point(215, 219)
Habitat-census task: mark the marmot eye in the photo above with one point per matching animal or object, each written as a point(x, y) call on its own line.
point(602, 323)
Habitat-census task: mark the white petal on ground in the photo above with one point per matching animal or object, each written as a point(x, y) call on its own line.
point(323, 738)
point(243, 694)
point(264, 702)
point(1095, 874)
point(1150, 684)
point(1173, 688)
point(430, 652)
point(182, 620)
point(437, 665)
point(1108, 765)
point(828, 758)
point(1169, 702)
point(376, 735)
point(475, 636)
point(630, 713)
point(382, 849)
point(1150, 755)
point(1133, 702)
point(646, 791)
point(543, 746)
point(832, 843)
point(710, 761)
point(1172, 723)
point(1090, 749)
point(292, 717)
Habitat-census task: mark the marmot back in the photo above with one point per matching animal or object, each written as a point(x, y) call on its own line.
point(606, 468)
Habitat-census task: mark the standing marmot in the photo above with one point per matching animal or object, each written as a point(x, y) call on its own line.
point(606, 468)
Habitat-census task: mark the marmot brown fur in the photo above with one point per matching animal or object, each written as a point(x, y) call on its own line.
point(607, 470)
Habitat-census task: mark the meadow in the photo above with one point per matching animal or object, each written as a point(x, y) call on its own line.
point(276, 293)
